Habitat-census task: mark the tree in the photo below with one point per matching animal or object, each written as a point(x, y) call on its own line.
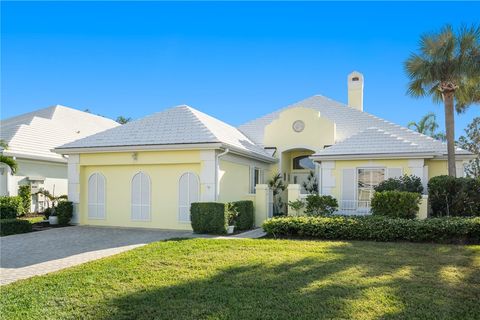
point(123, 120)
point(447, 68)
point(8, 161)
point(471, 142)
point(428, 126)
point(277, 186)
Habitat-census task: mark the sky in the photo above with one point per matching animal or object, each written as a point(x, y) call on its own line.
point(233, 60)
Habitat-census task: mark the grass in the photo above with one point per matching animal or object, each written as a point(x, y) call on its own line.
point(259, 279)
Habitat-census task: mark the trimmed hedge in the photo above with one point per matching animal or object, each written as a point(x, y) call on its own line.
point(441, 230)
point(209, 217)
point(10, 207)
point(404, 183)
point(14, 226)
point(25, 192)
point(64, 212)
point(245, 218)
point(396, 204)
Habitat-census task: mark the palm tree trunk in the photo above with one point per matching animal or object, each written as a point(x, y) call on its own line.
point(450, 128)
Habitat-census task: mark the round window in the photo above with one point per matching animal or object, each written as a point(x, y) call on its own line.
point(298, 126)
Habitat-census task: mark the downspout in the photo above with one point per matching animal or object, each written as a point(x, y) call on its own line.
point(217, 169)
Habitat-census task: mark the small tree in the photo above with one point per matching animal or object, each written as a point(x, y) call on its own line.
point(25, 192)
point(277, 186)
point(311, 185)
point(296, 205)
point(428, 126)
point(471, 142)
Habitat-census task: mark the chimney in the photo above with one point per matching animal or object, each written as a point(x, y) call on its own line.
point(355, 90)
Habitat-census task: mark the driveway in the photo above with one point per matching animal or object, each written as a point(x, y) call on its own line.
point(27, 255)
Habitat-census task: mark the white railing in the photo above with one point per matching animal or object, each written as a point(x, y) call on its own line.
point(353, 207)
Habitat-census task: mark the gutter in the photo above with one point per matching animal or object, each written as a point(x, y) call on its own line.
point(373, 156)
point(217, 169)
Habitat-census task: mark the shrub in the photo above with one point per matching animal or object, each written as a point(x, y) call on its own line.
point(64, 212)
point(450, 196)
point(14, 226)
point(246, 218)
point(10, 207)
point(232, 213)
point(209, 217)
point(396, 204)
point(47, 212)
point(320, 205)
point(25, 192)
point(296, 205)
point(376, 228)
point(404, 183)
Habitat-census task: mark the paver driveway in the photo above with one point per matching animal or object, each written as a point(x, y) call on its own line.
point(37, 253)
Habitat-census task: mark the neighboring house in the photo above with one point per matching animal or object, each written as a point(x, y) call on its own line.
point(31, 138)
point(147, 173)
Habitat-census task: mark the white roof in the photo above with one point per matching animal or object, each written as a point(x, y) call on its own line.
point(174, 126)
point(33, 135)
point(349, 122)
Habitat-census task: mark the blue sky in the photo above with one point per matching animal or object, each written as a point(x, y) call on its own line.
point(235, 61)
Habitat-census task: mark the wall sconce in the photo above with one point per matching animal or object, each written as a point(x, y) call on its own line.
point(134, 156)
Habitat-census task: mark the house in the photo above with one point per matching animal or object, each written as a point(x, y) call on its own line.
point(31, 138)
point(147, 173)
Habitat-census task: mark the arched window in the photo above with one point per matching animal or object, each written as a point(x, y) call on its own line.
point(188, 192)
point(96, 196)
point(141, 197)
point(303, 162)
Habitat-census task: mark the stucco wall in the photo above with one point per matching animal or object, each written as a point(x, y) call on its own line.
point(164, 169)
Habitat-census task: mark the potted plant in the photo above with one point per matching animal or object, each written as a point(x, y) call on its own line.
point(232, 215)
point(53, 218)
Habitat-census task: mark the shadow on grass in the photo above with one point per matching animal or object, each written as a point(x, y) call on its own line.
point(359, 281)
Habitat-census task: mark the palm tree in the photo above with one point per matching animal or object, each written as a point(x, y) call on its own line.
point(447, 68)
point(10, 162)
point(123, 120)
point(428, 126)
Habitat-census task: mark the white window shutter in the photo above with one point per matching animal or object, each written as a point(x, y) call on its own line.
point(92, 196)
point(349, 185)
point(394, 173)
point(141, 197)
point(96, 196)
point(100, 196)
point(188, 192)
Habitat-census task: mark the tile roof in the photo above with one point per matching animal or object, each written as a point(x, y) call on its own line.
point(33, 135)
point(177, 125)
point(373, 141)
point(349, 121)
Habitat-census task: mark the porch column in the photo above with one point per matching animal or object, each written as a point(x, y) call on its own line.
point(74, 185)
point(293, 195)
point(262, 203)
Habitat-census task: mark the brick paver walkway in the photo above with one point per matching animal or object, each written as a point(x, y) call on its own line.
point(26, 255)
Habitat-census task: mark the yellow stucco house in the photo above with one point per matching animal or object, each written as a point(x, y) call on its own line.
point(147, 173)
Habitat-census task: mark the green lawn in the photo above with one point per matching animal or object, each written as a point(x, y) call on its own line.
point(259, 279)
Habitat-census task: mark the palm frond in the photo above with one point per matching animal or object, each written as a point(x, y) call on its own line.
point(10, 162)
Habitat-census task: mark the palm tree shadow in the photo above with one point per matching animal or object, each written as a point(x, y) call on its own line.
point(302, 289)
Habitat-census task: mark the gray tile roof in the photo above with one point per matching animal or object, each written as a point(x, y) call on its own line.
point(350, 121)
point(177, 125)
point(33, 135)
point(373, 141)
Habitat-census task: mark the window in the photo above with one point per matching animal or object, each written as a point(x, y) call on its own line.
point(367, 179)
point(141, 197)
point(303, 163)
point(256, 177)
point(188, 192)
point(96, 196)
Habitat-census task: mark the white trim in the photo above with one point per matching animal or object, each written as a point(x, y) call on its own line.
point(137, 148)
